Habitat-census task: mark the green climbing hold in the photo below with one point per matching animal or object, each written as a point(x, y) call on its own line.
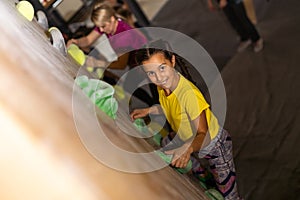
point(140, 124)
point(100, 93)
point(82, 81)
point(77, 54)
point(157, 139)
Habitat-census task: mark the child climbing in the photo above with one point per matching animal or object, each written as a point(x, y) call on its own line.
point(196, 127)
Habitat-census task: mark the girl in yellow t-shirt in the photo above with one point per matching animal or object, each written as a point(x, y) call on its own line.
point(190, 117)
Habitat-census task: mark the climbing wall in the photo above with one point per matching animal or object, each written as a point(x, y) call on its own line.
point(42, 155)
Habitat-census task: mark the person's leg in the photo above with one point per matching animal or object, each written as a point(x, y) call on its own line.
point(233, 19)
point(201, 171)
point(222, 167)
point(245, 23)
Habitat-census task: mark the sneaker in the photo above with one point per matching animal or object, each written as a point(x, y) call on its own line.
point(258, 45)
point(243, 45)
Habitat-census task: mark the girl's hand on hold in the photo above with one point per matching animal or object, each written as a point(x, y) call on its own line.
point(181, 155)
point(139, 113)
point(71, 41)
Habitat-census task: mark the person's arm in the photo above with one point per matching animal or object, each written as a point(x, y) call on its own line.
point(182, 155)
point(210, 5)
point(222, 3)
point(85, 41)
point(201, 125)
point(138, 113)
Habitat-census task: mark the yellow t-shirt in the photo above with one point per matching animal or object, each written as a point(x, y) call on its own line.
point(184, 104)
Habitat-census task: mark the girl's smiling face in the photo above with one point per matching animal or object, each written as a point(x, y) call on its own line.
point(161, 72)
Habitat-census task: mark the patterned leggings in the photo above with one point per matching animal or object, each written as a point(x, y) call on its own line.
point(221, 163)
